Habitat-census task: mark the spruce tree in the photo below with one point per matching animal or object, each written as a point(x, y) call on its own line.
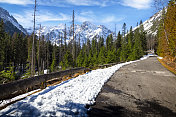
point(124, 29)
point(130, 45)
point(109, 43)
point(2, 44)
point(102, 56)
point(143, 36)
point(53, 64)
point(67, 61)
point(123, 54)
point(137, 49)
point(80, 59)
point(170, 26)
point(118, 45)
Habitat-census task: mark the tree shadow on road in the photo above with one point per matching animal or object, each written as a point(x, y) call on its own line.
point(154, 108)
point(146, 108)
point(112, 111)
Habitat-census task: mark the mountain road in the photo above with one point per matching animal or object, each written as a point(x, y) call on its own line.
point(141, 89)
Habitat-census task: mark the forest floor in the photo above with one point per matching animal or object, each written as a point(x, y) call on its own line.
point(143, 88)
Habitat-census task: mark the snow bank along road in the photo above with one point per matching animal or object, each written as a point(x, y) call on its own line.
point(68, 98)
point(141, 89)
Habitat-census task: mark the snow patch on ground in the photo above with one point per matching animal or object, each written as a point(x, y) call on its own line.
point(46, 71)
point(160, 57)
point(4, 102)
point(66, 99)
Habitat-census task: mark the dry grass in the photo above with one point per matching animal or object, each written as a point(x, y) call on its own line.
point(171, 66)
point(67, 77)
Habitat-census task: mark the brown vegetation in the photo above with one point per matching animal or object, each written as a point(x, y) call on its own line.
point(170, 65)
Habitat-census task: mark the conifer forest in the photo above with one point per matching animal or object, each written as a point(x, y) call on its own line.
point(16, 49)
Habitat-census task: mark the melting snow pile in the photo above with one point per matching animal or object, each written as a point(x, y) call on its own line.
point(67, 98)
point(160, 57)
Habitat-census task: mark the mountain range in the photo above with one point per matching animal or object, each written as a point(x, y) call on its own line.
point(87, 30)
point(84, 31)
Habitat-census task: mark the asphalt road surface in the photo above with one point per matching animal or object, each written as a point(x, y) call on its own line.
point(141, 89)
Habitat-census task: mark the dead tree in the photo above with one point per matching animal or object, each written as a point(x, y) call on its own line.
point(65, 37)
point(39, 69)
point(33, 51)
point(73, 49)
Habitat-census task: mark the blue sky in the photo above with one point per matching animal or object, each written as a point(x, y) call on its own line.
point(105, 12)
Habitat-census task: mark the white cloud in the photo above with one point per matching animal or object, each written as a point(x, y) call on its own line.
point(27, 17)
point(109, 19)
point(65, 3)
point(138, 4)
point(100, 19)
point(45, 17)
point(19, 2)
point(88, 2)
point(85, 16)
point(61, 3)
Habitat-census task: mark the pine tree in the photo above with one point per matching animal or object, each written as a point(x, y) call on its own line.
point(94, 51)
point(124, 29)
point(2, 44)
point(90, 61)
point(100, 43)
point(170, 26)
point(85, 62)
point(111, 56)
point(102, 56)
point(53, 64)
point(143, 36)
point(7, 50)
point(67, 61)
point(130, 45)
point(137, 49)
point(88, 47)
point(109, 42)
point(118, 41)
point(123, 53)
point(80, 59)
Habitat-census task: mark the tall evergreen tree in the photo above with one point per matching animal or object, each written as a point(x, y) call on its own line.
point(143, 36)
point(53, 64)
point(67, 61)
point(102, 56)
point(124, 29)
point(80, 59)
point(2, 44)
point(109, 43)
point(166, 33)
point(123, 54)
point(130, 44)
point(137, 49)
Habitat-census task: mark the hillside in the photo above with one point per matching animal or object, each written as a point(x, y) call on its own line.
point(151, 25)
point(11, 24)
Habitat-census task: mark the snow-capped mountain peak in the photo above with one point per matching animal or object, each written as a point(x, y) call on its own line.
point(86, 30)
point(151, 25)
point(4, 14)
